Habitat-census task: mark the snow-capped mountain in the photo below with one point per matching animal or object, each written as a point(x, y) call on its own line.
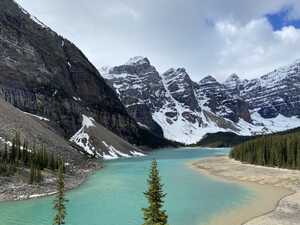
point(172, 105)
point(141, 90)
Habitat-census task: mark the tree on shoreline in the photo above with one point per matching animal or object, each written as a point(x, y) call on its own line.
point(60, 200)
point(154, 214)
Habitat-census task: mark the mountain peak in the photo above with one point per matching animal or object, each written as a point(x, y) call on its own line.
point(179, 73)
point(171, 70)
point(178, 70)
point(232, 81)
point(232, 77)
point(208, 79)
point(138, 60)
point(181, 70)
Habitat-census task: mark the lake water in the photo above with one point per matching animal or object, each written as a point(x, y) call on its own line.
point(114, 195)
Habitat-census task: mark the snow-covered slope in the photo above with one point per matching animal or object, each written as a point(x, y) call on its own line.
point(186, 110)
point(97, 141)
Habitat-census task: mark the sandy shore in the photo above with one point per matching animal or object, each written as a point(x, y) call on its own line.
point(277, 192)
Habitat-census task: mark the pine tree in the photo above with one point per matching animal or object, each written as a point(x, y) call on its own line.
point(52, 163)
point(32, 174)
point(5, 154)
point(38, 175)
point(60, 200)
point(154, 214)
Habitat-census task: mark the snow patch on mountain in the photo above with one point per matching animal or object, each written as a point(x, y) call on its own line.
point(137, 154)
point(112, 153)
point(184, 131)
point(36, 116)
point(98, 147)
point(82, 138)
point(279, 123)
point(262, 125)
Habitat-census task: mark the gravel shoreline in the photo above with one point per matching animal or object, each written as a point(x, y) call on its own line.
point(15, 188)
point(277, 192)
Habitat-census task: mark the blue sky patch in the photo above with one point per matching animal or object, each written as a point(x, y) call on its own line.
point(280, 19)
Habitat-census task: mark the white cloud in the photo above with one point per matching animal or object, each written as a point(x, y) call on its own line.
point(121, 10)
point(214, 37)
point(254, 48)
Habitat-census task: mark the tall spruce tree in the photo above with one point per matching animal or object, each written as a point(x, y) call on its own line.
point(154, 214)
point(31, 175)
point(60, 200)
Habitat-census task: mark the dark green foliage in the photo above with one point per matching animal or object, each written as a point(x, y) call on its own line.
point(7, 169)
point(272, 150)
point(229, 139)
point(60, 200)
point(18, 155)
point(222, 139)
point(35, 176)
point(154, 215)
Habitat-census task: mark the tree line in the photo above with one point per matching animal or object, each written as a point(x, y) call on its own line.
point(18, 154)
point(272, 150)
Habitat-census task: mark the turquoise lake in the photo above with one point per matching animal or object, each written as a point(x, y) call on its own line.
point(114, 195)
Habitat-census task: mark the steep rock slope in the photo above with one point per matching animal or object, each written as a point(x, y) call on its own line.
point(216, 98)
point(98, 141)
point(35, 130)
point(46, 75)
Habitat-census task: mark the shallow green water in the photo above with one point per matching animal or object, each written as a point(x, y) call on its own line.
point(114, 195)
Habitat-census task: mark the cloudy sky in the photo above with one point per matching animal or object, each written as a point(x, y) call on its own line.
point(215, 37)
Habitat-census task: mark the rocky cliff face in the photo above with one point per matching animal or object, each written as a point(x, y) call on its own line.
point(44, 74)
point(220, 101)
point(180, 87)
point(138, 85)
point(187, 110)
point(276, 93)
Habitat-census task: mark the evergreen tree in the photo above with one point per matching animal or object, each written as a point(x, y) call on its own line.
point(154, 214)
point(272, 150)
point(18, 156)
point(52, 163)
point(60, 200)
point(5, 154)
point(32, 175)
point(38, 175)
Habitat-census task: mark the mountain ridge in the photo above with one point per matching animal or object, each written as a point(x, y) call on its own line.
point(192, 109)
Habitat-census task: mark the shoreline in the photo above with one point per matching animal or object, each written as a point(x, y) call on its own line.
point(274, 190)
point(22, 191)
